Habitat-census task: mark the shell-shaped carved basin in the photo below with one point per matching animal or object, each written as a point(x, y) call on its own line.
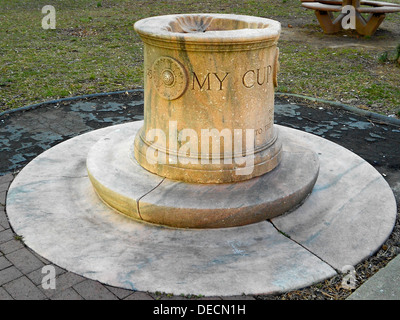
point(206, 23)
point(209, 28)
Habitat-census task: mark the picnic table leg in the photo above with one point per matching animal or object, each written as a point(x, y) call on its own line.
point(327, 22)
point(368, 27)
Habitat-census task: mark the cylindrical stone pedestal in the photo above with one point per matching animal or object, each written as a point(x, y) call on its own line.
point(209, 84)
point(207, 154)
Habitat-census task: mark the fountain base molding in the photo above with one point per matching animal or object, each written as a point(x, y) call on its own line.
point(348, 215)
point(124, 185)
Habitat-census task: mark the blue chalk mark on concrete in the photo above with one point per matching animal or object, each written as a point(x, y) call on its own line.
point(336, 179)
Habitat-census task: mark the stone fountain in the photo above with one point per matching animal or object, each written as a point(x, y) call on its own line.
point(209, 124)
point(206, 195)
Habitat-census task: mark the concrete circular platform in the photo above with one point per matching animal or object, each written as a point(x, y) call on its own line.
point(120, 181)
point(350, 213)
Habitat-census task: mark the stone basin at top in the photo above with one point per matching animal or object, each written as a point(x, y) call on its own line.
point(209, 84)
point(233, 26)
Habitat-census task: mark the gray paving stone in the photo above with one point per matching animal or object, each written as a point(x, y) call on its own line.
point(24, 260)
point(63, 282)
point(23, 289)
point(3, 218)
point(6, 235)
point(44, 260)
point(384, 285)
point(4, 295)
point(67, 294)
point(68, 279)
point(4, 263)
point(119, 292)
point(94, 290)
point(3, 195)
point(138, 295)
point(5, 182)
point(6, 179)
point(11, 246)
point(4, 186)
point(36, 276)
point(9, 274)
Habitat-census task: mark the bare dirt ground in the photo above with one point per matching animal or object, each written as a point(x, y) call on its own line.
point(305, 30)
point(384, 39)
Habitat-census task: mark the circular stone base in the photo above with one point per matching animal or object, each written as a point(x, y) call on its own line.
point(349, 214)
point(121, 182)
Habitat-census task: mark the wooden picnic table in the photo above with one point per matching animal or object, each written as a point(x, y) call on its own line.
point(366, 26)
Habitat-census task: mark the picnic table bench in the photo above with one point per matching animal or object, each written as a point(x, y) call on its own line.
point(366, 26)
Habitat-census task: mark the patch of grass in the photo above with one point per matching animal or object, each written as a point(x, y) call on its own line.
point(285, 234)
point(95, 49)
point(383, 57)
point(358, 79)
point(19, 238)
point(391, 56)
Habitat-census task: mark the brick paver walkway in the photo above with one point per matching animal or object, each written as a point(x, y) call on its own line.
point(21, 273)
